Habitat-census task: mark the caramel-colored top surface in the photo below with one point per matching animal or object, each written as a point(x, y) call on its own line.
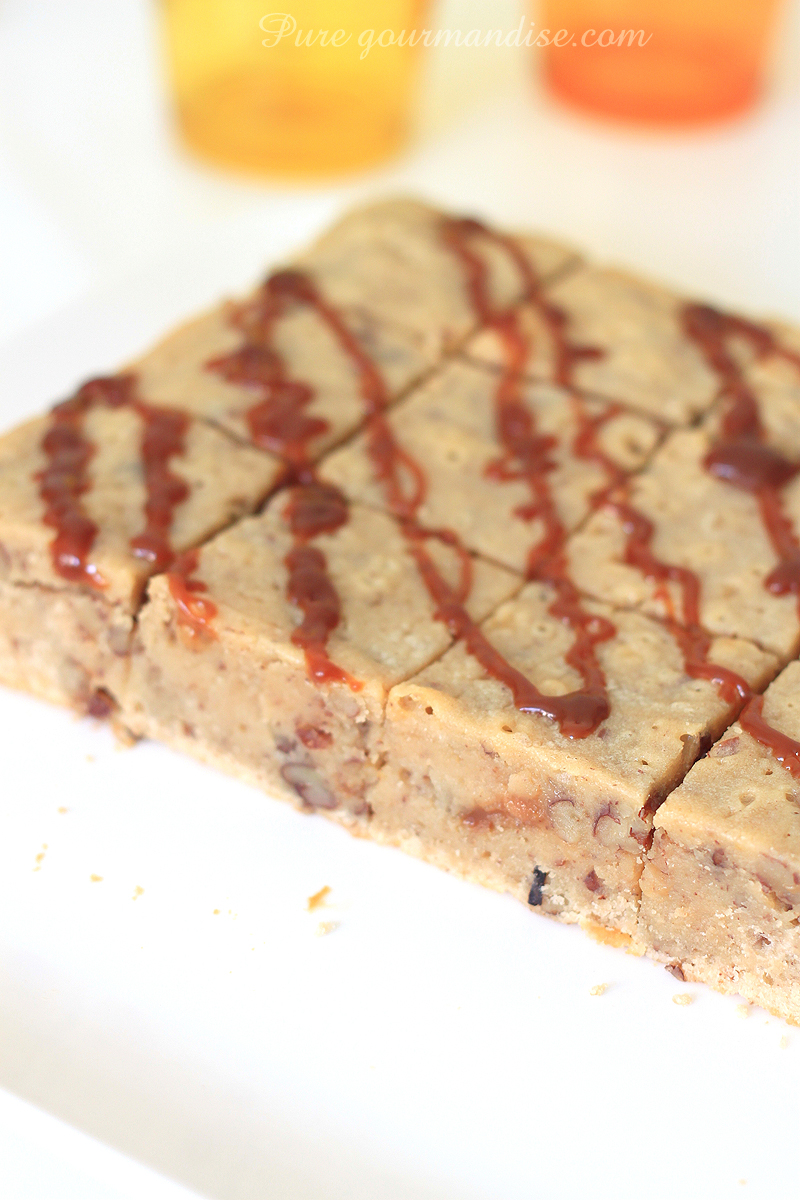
point(647, 362)
point(739, 797)
point(659, 717)
point(449, 427)
point(224, 480)
point(389, 274)
point(574, 481)
point(390, 259)
point(701, 523)
point(387, 629)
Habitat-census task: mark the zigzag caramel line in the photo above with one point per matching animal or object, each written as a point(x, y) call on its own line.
point(527, 456)
point(279, 423)
point(742, 459)
point(65, 479)
point(741, 456)
point(579, 713)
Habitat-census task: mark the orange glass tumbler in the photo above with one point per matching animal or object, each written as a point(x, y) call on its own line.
point(658, 61)
point(320, 89)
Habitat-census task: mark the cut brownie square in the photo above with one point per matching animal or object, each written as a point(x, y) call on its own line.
point(396, 259)
point(93, 500)
point(701, 526)
point(480, 778)
point(707, 534)
point(721, 887)
point(284, 683)
point(383, 285)
point(452, 426)
point(617, 336)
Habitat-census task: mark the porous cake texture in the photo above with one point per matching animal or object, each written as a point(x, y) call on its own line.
point(241, 693)
point(90, 506)
point(476, 548)
point(721, 889)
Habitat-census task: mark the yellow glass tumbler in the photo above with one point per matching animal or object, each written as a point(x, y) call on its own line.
point(320, 89)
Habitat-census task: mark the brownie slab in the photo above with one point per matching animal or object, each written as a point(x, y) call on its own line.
point(65, 638)
point(438, 413)
point(721, 887)
point(504, 797)
point(449, 425)
point(241, 694)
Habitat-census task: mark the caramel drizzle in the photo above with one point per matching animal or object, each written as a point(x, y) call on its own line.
point(163, 439)
point(528, 456)
point(404, 484)
point(742, 459)
point(278, 423)
point(693, 640)
point(65, 479)
point(578, 714)
point(781, 746)
point(195, 611)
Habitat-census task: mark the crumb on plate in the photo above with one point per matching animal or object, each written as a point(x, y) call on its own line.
point(318, 899)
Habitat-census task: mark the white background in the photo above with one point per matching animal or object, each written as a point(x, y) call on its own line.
point(441, 1042)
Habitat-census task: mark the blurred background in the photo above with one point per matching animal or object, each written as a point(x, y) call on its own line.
point(128, 199)
point(96, 185)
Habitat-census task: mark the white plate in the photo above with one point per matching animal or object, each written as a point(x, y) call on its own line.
point(442, 1042)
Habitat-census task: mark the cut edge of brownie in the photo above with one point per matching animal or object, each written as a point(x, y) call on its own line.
point(721, 887)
